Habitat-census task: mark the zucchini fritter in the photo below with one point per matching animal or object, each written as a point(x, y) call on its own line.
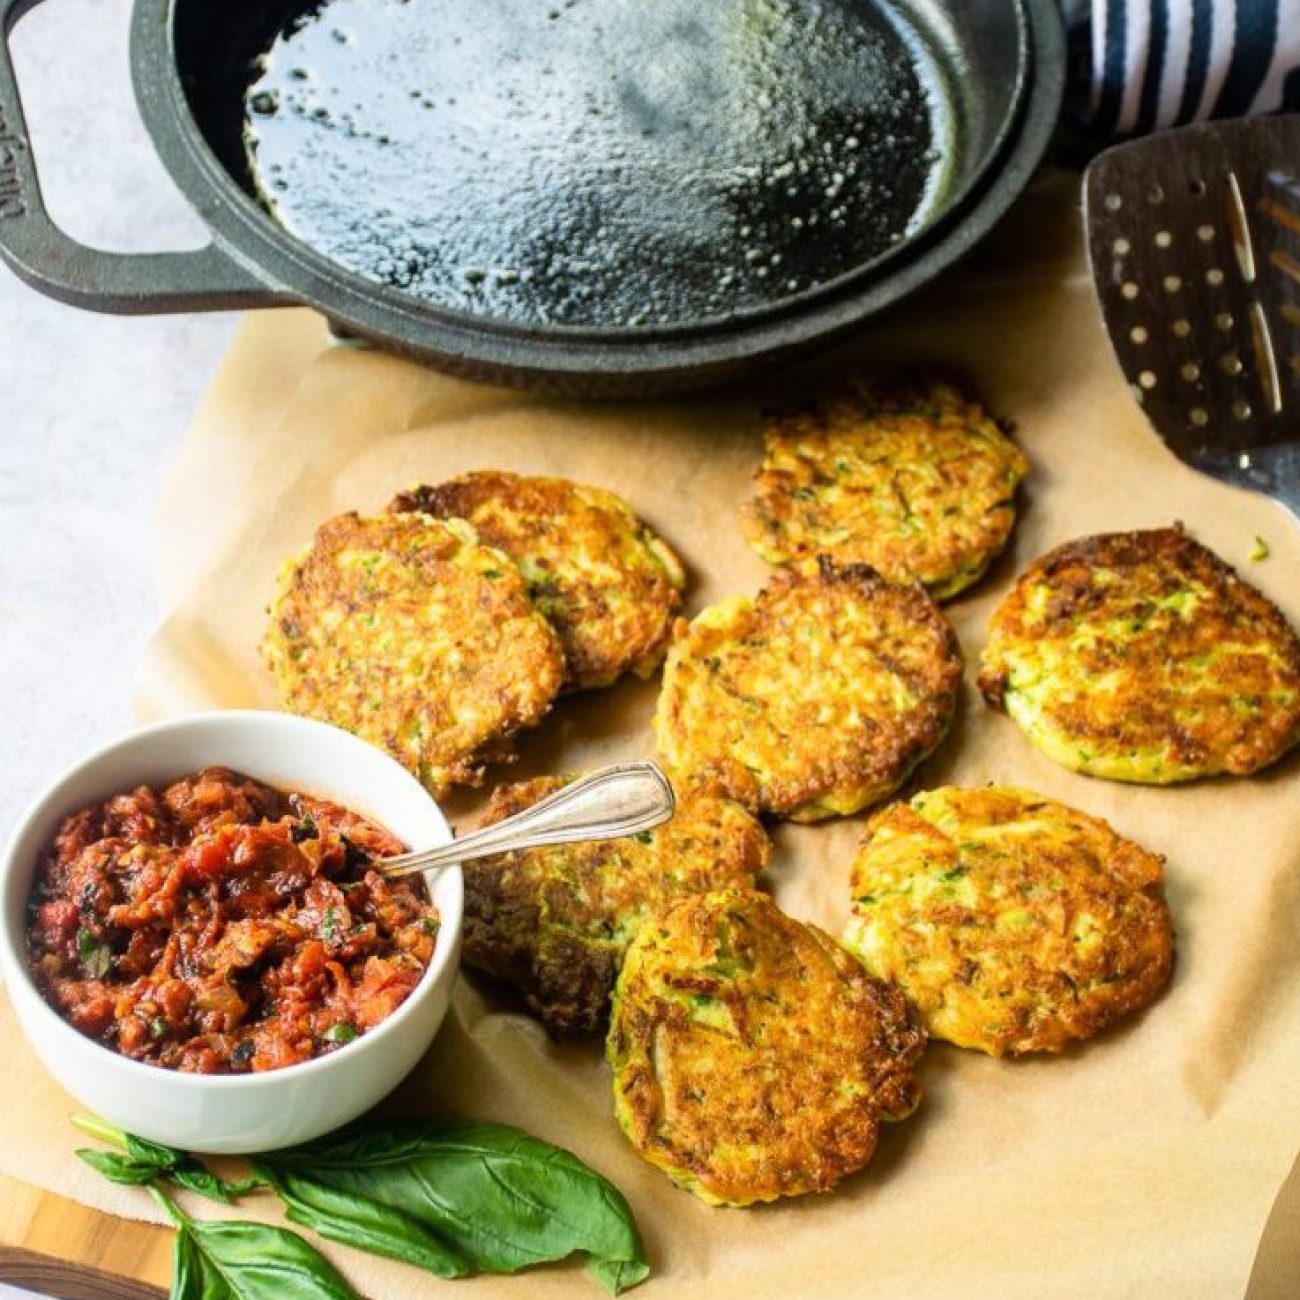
point(1143, 657)
point(817, 698)
point(555, 922)
point(915, 480)
point(1012, 923)
point(608, 584)
point(754, 1057)
point(408, 632)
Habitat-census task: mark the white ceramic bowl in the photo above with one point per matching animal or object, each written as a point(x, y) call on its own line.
point(236, 1113)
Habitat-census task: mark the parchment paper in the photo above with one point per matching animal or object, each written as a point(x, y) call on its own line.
point(1143, 1164)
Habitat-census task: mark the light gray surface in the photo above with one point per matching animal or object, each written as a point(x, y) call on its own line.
point(91, 408)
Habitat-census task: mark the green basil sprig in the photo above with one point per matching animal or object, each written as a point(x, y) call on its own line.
point(145, 1162)
point(240, 1260)
point(453, 1199)
point(459, 1199)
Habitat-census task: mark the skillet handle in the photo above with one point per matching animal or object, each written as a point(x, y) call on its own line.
point(49, 260)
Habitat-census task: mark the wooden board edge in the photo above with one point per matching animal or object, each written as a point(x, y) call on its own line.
point(53, 1244)
point(67, 1280)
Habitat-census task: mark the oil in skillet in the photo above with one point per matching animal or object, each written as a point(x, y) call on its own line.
point(598, 162)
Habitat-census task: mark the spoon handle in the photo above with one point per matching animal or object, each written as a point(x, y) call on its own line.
point(604, 805)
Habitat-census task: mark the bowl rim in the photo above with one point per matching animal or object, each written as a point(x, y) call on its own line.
point(13, 964)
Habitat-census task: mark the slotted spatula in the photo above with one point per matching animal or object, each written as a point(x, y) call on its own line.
point(1194, 241)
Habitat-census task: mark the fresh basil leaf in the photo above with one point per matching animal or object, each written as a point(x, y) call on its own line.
point(198, 1178)
point(620, 1275)
point(239, 1260)
point(116, 1168)
point(340, 1033)
point(489, 1194)
point(190, 1279)
point(147, 1160)
point(153, 1153)
point(361, 1222)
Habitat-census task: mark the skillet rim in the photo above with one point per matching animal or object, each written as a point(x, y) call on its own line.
point(679, 355)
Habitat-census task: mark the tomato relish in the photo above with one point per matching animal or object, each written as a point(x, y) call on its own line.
point(220, 926)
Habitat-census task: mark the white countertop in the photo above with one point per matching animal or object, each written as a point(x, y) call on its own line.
point(91, 408)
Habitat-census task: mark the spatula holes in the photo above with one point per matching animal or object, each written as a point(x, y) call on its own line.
point(1121, 247)
point(1172, 283)
point(1240, 410)
point(1214, 277)
point(1147, 380)
point(1190, 371)
point(1139, 334)
point(1181, 328)
point(1163, 239)
point(1224, 321)
point(1113, 202)
point(1196, 186)
point(1129, 290)
point(1230, 363)
point(1199, 416)
point(1205, 233)
point(1155, 194)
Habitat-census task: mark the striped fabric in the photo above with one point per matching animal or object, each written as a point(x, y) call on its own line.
point(1140, 65)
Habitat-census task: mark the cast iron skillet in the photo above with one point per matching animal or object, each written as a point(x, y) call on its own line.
point(1000, 70)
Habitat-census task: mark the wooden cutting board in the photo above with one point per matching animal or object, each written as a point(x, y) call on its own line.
point(55, 1246)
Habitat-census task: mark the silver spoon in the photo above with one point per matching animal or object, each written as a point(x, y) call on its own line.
point(604, 805)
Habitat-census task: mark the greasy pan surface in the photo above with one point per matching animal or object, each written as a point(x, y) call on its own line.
point(598, 196)
point(610, 163)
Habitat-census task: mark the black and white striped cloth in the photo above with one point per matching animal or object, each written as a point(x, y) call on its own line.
point(1142, 65)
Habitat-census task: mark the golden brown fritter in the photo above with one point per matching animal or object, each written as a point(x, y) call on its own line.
point(608, 584)
point(815, 699)
point(556, 922)
point(754, 1057)
point(912, 479)
point(1012, 923)
point(408, 632)
point(1143, 657)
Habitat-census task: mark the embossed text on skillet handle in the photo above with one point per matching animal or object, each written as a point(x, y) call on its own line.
point(57, 265)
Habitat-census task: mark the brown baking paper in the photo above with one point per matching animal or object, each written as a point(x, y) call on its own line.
point(1144, 1163)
